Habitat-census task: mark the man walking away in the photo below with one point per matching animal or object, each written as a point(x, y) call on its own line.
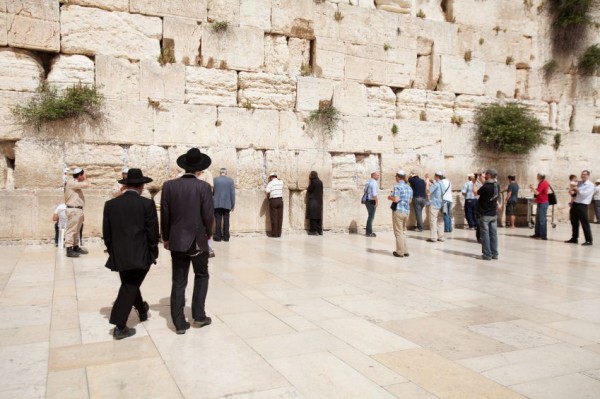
point(75, 201)
point(185, 231)
point(583, 199)
point(372, 190)
point(130, 232)
point(489, 196)
point(512, 194)
point(470, 201)
point(418, 187)
point(224, 197)
point(400, 197)
point(274, 192)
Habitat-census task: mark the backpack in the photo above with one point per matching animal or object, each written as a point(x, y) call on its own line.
point(365, 195)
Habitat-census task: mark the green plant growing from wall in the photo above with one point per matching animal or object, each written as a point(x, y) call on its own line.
point(557, 141)
point(423, 116)
point(167, 56)
point(509, 128)
point(550, 68)
point(420, 14)
point(468, 56)
point(49, 105)
point(338, 16)
point(481, 41)
point(509, 60)
point(394, 129)
point(248, 105)
point(589, 62)
point(326, 116)
point(219, 26)
point(387, 47)
point(305, 69)
point(457, 120)
point(570, 22)
point(497, 29)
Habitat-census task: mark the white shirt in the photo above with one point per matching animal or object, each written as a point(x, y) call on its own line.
point(597, 193)
point(585, 192)
point(446, 190)
point(62, 216)
point(275, 188)
point(467, 190)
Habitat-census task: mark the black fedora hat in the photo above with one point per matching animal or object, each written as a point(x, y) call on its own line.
point(194, 160)
point(135, 178)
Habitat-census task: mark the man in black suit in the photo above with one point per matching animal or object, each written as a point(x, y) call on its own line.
point(186, 215)
point(130, 230)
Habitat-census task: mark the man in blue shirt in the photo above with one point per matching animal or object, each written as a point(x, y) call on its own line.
point(400, 198)
point(372, 190)
point(436, 218)
point(419, 198)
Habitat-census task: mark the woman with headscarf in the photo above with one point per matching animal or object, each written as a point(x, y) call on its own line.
point(314, 210)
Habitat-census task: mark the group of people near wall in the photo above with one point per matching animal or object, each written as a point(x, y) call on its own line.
point(483, 201)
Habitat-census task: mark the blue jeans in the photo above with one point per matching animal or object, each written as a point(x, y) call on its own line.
point(447, 216)
point(371, 210)
point(541, 220)
point(488, 227)
point(470, 206)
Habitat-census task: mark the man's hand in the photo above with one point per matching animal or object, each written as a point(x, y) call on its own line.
point(166, 244)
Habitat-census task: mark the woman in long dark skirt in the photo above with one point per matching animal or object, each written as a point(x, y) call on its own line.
point(314, 209)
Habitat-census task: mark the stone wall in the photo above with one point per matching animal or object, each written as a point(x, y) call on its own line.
point(243, 95)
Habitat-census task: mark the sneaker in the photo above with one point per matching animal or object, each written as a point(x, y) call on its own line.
point(71, 253)
point(125, 332)
point(201, 323)
point(181, 330)
point(143, 313)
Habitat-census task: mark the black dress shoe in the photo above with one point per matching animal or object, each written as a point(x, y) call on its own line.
point(125, 332)
point(313, 233)
point(216, 239)
point(204, 322)
point(80, 250)
point(587, 243)
point(397, 255)
point(71, 253)
point(406, 255)
point(571, 241)
point(182, 329)
point(226, 239)
point(534, 236)
point(143, 313)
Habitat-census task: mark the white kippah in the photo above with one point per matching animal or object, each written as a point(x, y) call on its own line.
point(77, 170)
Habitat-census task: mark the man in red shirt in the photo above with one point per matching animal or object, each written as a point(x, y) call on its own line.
point(541, 199)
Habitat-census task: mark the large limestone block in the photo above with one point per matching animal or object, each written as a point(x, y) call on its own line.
point(242, 128)
point(162, 82)
point(362, 25)
point(540, 110)
point(69, 70)
point(248, 209)
point(299, 50)
point(10, 127)
point(411, 104)
point(466, 106)
point(250, 168)
point(196, 9)
point(92, 31)
point(224, 11)
point(284, 163)
point(109, 5)
point(419, 141)
point(350, 98)
point(343, 172)
point(276, 54)
point(102, 163)
point(38, 164)
point(186, 35)
point(297, 132)
point(186, 124)
point(240, 48)
point(118, 77)
point(152, 160)
point(440, 106)
point(559, 88)
point(457, 142)
point(366, 134)
point(500, 80)
point(398, 6)
point(512, 15)
point(324, 20)
point(318, 160)
point(462, 77)
point(265, 90)
point(395, 67)
point(19, 70)
point(427, 74)
point(256, 13)
point(365, 165)
point(3, 27)
point(17, 214)
point(311, 91)
point(329, 59)
point(222, 158)
point(297, 206)
point(125, 122)
point(584, 117)
point(443, 35)
point(46, 202)
point(210, 86)
point(32, 24)
point(381, 102)
point(431, 8)
point(293, 18)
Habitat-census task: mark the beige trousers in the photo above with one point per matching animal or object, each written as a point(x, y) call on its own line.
point(399, 221)
point(74, 223)
point(436, 223)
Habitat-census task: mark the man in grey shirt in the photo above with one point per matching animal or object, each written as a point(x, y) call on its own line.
point(224, 197)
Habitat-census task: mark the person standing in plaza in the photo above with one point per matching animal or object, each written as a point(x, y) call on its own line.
point(512, 194)
point(186, 222)
point(579, 210)
point(470, 201)
point(597, 201)
point(274, 192)
point(447, 203)
point(224, 196)
point(130, 233)
point(59, 217)
point(75, 200)
point(314, 208)
point(541, 211)
point(371, 201)
point(436, 218)
point(400, 197)
point(489, 197)
point(419, 198)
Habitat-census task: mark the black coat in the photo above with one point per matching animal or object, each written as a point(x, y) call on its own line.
point(314, 209)
point(130, 231)
point(186, 213)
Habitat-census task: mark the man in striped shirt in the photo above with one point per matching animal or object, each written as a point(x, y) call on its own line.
point(274, 193)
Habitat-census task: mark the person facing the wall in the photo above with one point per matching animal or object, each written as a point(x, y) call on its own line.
point(541, 212)
point(447, 203)
point(371, 201)
point(314, 208)
point(224, 197)
point(419, 198)
point(512, 194)
point(274, 192)
point(75, 200)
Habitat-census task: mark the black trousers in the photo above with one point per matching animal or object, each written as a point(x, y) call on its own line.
point(579, 215)
point(180, 262)
point(129, 295)
point(222, 228)
point(276, 215)
point(316, 226)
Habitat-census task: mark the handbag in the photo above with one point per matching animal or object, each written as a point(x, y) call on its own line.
point(365, 196)
point(394, 206)
point(552, 197)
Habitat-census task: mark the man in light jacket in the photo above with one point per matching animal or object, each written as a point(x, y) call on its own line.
point(224, 197)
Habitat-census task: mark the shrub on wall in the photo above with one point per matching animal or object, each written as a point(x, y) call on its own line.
point(571, 20)
point(327, 116)
point(49, 105)
point(509, 128)
point(589, 62)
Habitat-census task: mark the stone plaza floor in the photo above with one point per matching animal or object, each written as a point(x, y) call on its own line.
point(315, 317)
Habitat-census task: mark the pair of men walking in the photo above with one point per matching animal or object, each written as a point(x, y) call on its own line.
point(130, 229)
